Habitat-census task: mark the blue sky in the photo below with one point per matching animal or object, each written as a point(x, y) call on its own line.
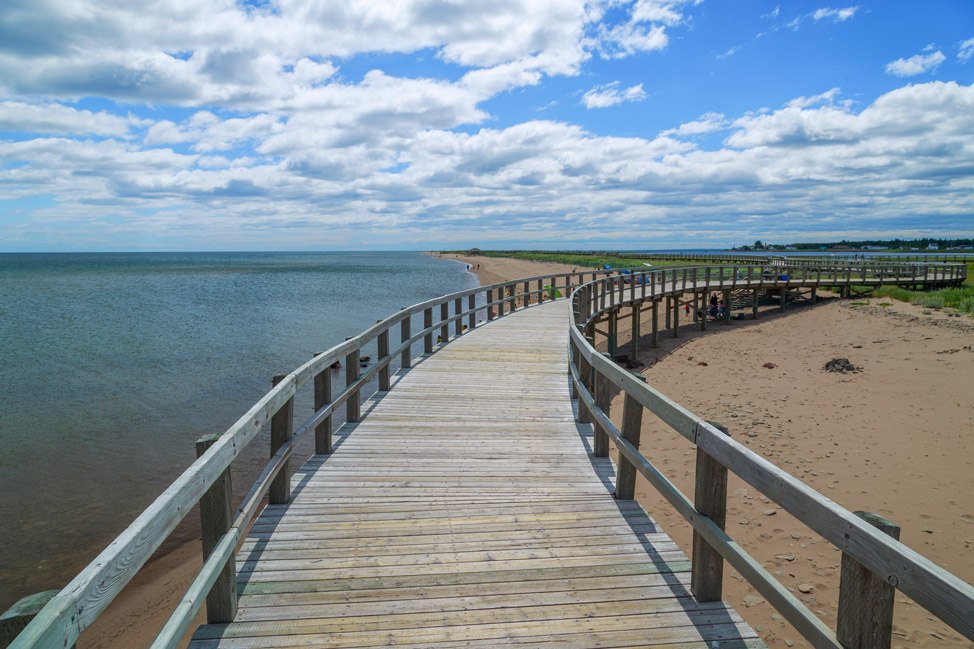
point(287, 125)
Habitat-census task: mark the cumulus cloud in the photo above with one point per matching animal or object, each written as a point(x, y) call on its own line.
point(917, 64)
point(17, 116)
point(611, 94)
point(708, 123)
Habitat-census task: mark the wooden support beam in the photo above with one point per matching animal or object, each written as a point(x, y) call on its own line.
point(710, 499)
point(405, 333)
point(613, 337)
point(866, 599)
point(427, 323)
point(458, 321)
point(635, 329)
point(600, 443)
point(668, 309)
point(754, 303)
point(490, 308)
point(322, 387)
point(727, 309)
point(632, 418)
point(444, 323)
point(353, 408)
point(471, 307)
point(282, 425)
point(216, 517)
point(18, 616)
point(676, 317)
point(382, 351)
point(654, 337)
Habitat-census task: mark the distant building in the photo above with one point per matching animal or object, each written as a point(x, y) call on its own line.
point(933, 246)
point(474, 252)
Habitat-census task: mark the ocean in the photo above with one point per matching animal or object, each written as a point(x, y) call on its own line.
point(113, 364)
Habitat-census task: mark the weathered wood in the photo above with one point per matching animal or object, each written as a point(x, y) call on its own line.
point(382, 351)
point(427, 324)
point(458, 321)
point(405, 333)
point(634, 328)
point(654, 335)
point(444, 323)
point(632, 417)
point(710, 499)
point(323, 432)
point(472, 308)
point(865, 599)
point(216, 517)
point(353, 402)
point(676, 317)
point(282, 425)
point(600, 444)
point(613, 337)
point(18, 616)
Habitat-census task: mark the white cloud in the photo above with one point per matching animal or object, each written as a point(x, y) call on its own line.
point(965, 50)
point(708, 123)
point(611, 94)
point(826, 97)
point(836, 15)
point(917, 64)
point(57, 119)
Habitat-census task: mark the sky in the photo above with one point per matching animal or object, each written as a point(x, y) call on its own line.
point(441, 124)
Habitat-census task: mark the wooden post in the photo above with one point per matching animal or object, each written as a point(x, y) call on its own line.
point(427, 323)
point(710, 499)
point(814, 295)
point(600, 443)
point(458, 321)
point(352, 405)
point(654, 337)
point(472, 307)
point(17, 617)
point(784, 297)
point(613, 331)
point(383, 353)
point(490, 307)
point(676, 317)
point(754, 303)
point(216, 517)
point(703, 311)
point(866, 599)
point(635, 328)
point(668, 312)
point(526, 290)
point(727, 297)
point(323, 442)
point(512, 297)
point(444, 323)
point(585, 373)
point(632, 419)
point(405, 333)
point(282, 425)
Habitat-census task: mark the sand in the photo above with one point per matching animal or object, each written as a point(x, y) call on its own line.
point(895, 439)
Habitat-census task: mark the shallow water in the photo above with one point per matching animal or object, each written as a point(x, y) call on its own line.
point(114, 364)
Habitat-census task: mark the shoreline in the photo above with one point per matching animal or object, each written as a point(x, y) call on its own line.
point(134, 617)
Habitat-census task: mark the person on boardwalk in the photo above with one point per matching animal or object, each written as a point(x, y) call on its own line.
point(713, 306)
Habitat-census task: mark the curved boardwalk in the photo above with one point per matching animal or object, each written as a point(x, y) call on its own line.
point(467, 510)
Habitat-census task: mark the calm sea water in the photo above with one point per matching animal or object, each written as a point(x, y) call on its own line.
point(114, 364)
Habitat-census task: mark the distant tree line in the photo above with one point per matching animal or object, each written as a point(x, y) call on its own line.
point(891, 244)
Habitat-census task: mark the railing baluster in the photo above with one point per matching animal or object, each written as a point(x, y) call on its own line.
point(427, 324)
point(382, 352)
point(282, 425)
point(865, 599)
point(710, 499)
point(472, 307)
point(457, 310)
point(352, 404)
point(322, 388)
point(444, 323)
point(632, 418)
point(600, 442)
point(216, 517)
point(405, 333)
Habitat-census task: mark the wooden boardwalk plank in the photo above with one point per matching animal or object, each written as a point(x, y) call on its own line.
point(466, 510)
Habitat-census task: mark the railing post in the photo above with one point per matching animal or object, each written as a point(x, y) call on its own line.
point(405, 333)
point(635, 328)
point(216, 517)
point(353, 410)
point(18, 616)
point(632, 419)
point(472, 307)
point(866, 599)
point(282, 425)
point(613, 325)
point(382, 352)
point(490, 307)
point(654, 336)
point(710, 499)
point(444, 323)
point(600, 443)
point(676, 316)
point(526, 289)
point(427, 324)
point(323, 443)
point(585, 373)
point(457, 310)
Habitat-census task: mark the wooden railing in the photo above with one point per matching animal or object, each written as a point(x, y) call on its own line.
point(873, 564)
point(67, 614)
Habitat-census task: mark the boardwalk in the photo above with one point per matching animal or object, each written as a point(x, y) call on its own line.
point(466, 510)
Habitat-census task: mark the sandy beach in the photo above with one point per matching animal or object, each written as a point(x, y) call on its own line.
point(894, 439)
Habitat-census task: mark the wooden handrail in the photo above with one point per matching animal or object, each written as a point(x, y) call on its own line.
point(76, 606)
point(943, 594)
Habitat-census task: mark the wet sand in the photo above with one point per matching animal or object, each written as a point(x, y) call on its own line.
point(895, 439)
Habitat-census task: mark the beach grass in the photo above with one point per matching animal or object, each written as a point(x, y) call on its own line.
point(960, 299)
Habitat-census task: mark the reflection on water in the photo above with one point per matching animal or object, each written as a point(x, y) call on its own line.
point(114, 364)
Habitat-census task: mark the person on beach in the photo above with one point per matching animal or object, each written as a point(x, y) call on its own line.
point(687, 309)
point(720, 310)
point(713, 306)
